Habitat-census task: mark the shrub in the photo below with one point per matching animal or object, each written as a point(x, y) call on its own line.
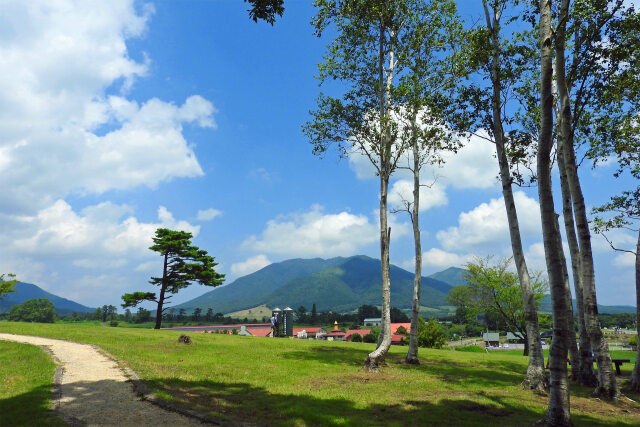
point(356, 337)
point(234, 331)
point(113, 323)
point(39, 310)
point(431, 334)
point(633, 341)
point(370, 338)
point(401, 331)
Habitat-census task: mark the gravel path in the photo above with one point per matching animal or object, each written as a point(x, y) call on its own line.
point(94, 391)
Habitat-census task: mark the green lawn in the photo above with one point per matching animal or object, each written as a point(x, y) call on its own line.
point(306, 382)
point(26, 378)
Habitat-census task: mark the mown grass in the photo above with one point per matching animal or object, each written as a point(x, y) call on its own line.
point(306, 382)
point(26, 378)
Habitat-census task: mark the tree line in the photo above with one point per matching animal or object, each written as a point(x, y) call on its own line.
point(546, 86)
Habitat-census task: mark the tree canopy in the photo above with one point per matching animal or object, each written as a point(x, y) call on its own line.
point(183, 265)
point(39, 310)
point(6, 285)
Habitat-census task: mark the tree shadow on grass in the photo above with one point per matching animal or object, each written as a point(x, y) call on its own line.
point(237, 403)
point(490, 374)
point(29, 409)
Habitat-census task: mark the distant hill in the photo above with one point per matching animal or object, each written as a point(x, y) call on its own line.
point(453, 276)
point(27, 291)
point(337, 284)
point(545, 307)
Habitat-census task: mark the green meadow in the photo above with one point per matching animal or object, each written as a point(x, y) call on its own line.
point(305, 382)
point(26, 377)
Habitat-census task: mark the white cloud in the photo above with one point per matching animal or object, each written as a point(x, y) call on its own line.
point(60, 130)
point(486, 225)
point(473, 166)
point(402, 190)
point(436, 258)
point(314, 233)
point(58, 231)
point(208, 214)
point(250, 265)
point(624, 259)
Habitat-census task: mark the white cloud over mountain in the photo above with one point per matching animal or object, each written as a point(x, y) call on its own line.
point(314, 233)
point(485, 227)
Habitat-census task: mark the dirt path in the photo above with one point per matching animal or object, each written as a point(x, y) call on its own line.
point(94, 391)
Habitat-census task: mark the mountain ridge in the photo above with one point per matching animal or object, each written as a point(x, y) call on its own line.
point(27, 291)
point(337, 284)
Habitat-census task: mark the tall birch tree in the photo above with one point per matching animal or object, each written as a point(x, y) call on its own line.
point(558, 410)
point(535, 376)
point(364, 56)
point(432, 58)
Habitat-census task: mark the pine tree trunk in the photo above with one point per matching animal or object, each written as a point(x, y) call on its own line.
point(535, 377)
point(412, 354)
point(558, 413)
point(635, 376)
point(163, 288)
point(607, 386)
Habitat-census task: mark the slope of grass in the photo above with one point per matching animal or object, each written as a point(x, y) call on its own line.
point(26, 379)
point(300, 382)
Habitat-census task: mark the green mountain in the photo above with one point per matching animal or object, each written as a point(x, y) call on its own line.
point(545, 307)
point(337, 284)
point(27, 291)
point(453, 276)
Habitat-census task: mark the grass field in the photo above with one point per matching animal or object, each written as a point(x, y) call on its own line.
point(26, 377)
point(306, 382)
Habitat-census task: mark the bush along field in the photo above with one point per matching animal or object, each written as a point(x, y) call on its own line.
point(288, 382)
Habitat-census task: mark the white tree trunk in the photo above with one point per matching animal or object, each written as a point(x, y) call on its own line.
point(558, 412)
point(535, 377)
point(582, 373)
point(412, 354)
point(635, 376)
point(376, 358)
point(607, 386)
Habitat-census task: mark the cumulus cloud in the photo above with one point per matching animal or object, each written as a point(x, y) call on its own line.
point(436, 258)
point(97, 230)
point(473, 166)
point(250, 265)
point(402, 190)
point(486, 225)
point(60, 60)
point(208, 214)
point(314, 233)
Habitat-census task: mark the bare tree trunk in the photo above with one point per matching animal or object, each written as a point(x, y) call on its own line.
point(635, 376)
point(558, 413)
point(607, 386)
point(376, 357)
point(412, 354)
point(583, 373)
point(535, 377)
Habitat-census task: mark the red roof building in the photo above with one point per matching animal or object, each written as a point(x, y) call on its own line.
point(395, 326)
point(259, 332)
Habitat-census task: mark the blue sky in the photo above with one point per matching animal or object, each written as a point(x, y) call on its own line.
point(120, 117)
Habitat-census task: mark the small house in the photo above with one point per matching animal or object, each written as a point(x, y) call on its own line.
point(491, 339)
point(373, 321)
point(515, 337)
